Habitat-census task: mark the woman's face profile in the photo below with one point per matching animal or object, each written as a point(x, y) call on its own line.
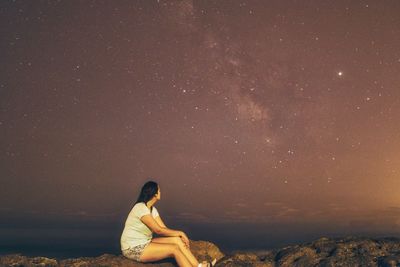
point(158, 194)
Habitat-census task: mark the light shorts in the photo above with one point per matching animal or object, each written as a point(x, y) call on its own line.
point(134, 253)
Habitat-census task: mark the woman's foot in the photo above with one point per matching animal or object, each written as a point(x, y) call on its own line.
point(208, 263)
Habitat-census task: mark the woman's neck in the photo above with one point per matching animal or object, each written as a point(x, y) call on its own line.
point(150, 203)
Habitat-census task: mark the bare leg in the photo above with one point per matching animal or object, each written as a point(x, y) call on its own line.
point(177, 240)
point(157, 251)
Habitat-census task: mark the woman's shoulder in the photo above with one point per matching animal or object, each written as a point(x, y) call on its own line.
point(142, 205)
point(139, 205)
point(140, 209)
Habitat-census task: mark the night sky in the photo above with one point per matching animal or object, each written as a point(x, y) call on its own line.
point(244, 112)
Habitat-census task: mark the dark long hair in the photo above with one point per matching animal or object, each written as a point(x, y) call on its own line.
point(148, 191)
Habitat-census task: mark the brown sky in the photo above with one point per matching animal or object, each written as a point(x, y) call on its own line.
point(243, 111)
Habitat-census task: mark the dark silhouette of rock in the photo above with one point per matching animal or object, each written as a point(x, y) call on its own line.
point(202, 250)
point(325, 252)
point(17, 260)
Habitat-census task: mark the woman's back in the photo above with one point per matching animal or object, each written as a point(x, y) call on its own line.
point(135, 231)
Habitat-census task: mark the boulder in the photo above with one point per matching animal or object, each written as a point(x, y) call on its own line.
point(324, 252)
point(202, 250)
point(17, 260)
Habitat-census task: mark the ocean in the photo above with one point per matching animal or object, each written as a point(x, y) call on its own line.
point(71, 241)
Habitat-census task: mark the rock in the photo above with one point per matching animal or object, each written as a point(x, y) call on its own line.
point(246, 259)
point(389, 261)
point(17, 260)
point(324, 246)
point(297, 256)
point(111, 260)
point(202, 250)
point(324, 252)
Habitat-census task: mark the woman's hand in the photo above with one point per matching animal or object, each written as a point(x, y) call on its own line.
point(185, 239)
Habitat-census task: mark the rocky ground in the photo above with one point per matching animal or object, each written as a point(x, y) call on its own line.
point(349, 251)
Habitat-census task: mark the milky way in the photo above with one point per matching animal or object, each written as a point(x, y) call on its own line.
point(242, 111)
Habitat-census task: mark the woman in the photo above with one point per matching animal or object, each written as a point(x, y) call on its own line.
point(137, 242)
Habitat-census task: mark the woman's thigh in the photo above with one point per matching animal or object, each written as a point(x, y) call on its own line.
point(157, 251)
point(168, 240)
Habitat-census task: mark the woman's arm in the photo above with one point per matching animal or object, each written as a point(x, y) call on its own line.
point(158, 229)
point(160, 222)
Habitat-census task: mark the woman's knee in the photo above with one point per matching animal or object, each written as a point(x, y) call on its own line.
point(178, 240)
point(172, 250)
point(175, 249)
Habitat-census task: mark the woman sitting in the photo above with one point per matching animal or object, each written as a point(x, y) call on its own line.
point(137, 242)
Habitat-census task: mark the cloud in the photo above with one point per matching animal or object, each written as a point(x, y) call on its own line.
point(240, 205)
point(4, 209)
point(278, 212)
point(394, 211)
point(189, 216)
point(273, 203)
point(288, 212)
point(85, 214)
